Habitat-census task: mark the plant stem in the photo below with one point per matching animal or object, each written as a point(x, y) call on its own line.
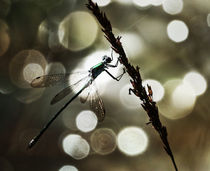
point(138, 89)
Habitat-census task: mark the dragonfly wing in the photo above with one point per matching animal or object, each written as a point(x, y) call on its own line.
point(63, 93)
point(85, 94)
point(68, 90)
point(49, 80)
point(96, 103)
point(53, 79)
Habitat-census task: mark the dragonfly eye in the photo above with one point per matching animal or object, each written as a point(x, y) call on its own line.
point(107, 59)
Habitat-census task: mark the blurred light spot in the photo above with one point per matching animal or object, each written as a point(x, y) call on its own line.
point(32, 71)
point(156, 2)
point(132, 43)
point(6, 90)
point(68, 168)
point(53, 41)
point(103, 141)
point(172, 6)
point(196, 81)
point(78, 31)
point(23, 67)
point(70, 113)
point(145, 3)
point(142, 3)
point(177, 31)
point(183, 97)
point(132, 141)
point(157, 88)
point(6, 87)
point(4, 37)
point(86, 121)
point(146, 28)
point(43, 33)
point(179, 99)
point(208, 19)
point(69, 122)
point(75, 146)
point(29, 95)
point(55, 68)
point(129, 101)
point(124, 1)
point(102, 2)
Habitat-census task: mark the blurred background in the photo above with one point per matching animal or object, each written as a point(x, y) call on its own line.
point(168, 39)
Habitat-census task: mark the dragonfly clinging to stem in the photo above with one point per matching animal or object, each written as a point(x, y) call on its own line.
point(96, 104)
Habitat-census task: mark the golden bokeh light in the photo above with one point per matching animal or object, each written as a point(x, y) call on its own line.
point(179, 99)
point(103, 141)
point(196, 81)
point(76, 35)
point(183, 97)
point(31, 71)
point(29, 95)
point(43, 33)
point(25, 66)
point(55, 68)
point(4, 37)
point(133, 44)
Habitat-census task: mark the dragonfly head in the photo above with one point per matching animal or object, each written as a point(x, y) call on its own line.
point(107, 59)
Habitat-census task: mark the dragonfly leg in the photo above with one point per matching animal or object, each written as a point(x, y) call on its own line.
point(118, 77)
point(113, 66)
point(112, 54)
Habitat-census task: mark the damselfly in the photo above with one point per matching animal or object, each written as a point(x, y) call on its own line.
point(96, 103)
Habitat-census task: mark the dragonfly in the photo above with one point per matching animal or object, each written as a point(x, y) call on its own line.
point(96, 103)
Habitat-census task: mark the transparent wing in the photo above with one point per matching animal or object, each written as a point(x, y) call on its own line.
point(53, 79)
point(96, 103)
point(85, 94)
point(68, 90)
